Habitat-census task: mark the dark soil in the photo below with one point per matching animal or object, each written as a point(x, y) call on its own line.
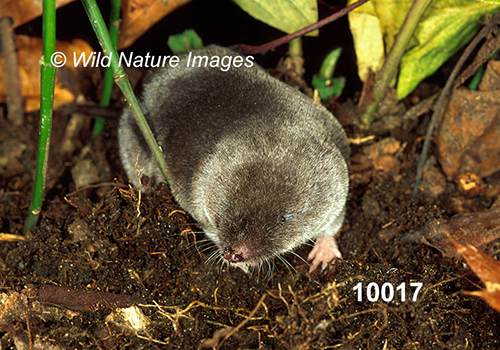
point(93, 240)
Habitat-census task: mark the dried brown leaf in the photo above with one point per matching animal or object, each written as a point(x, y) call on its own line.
point(479, 228)
point(83, 300)
point(140, 15)
point(488, 271)
point(29, 51)
point(23, 11)
point(469, 137)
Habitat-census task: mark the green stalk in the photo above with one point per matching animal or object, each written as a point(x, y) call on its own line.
point(122, 81)
point(48, 76)
point(477, 77)
point(107, 88)
point(295, 52)
point(391, 64)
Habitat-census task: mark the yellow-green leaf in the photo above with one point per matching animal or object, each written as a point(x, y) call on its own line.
point(447, 25)
point(440, 35)
point(490, 1)
point(366, 31)
point(285, 15)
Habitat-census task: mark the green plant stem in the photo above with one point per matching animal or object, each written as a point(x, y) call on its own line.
point(107, 86)
point(48, 76)
point(295, 52)
point(122, 81)
point(391, 64)
point(477, 77)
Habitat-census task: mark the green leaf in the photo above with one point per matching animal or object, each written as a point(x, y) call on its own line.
point(324, 83)
point(440, 35)
point(328, 87)
point(366, 28)
point(285, 15)
point(447, 25)
point(187, 40)
point(329, 63)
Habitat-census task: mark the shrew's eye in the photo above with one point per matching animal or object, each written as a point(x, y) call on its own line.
point(286, 218)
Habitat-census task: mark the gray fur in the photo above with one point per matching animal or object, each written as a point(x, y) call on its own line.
point(260, 166)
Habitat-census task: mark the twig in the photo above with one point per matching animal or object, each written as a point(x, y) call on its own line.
point(489, 48)
point(11, 70)
point(9, 237)
point(139, 172)
point(391, 63)
point(238, 327)
point(247, 49)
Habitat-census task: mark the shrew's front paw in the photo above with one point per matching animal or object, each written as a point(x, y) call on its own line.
point(324, 251)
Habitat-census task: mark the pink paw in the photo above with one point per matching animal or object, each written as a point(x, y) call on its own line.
point(325, 250)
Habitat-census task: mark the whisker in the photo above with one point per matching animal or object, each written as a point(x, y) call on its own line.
point(270, 268)
point(310, 242)
point(212, 261)
point(212, 258)
point(207, 248)
point(199, 243)
point(287, 264)
point(300, 258)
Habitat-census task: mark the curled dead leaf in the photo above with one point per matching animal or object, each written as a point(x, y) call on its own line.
point(23, 11)
point(469, 137)
point(29, 51)
point(487, 269)
point(140, 15)
point(480, 228)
